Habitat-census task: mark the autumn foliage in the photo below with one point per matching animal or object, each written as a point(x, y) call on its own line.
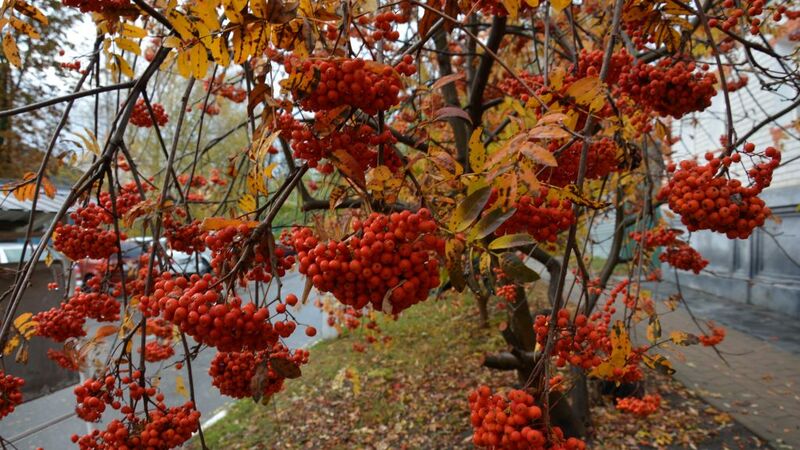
point(385, 152)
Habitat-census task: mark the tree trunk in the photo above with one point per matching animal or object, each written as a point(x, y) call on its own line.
point(483, 310)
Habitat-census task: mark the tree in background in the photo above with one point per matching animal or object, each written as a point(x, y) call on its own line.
point(39, 75)
point(434, 145)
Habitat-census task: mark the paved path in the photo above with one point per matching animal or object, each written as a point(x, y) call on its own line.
point(49, 421)
point(760, 384)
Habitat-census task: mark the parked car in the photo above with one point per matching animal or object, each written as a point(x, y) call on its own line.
point(11, 252)
point(131, 250)
point(189, 264)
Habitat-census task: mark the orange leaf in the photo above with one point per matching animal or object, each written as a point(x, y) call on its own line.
point(349, 166)
point(106, 330)
point(538, 154)
point(216, 223)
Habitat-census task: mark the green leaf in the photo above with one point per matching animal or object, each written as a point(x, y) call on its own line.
point(490, 222)
point(469, 209)
point(511, 240)
point(516, 269)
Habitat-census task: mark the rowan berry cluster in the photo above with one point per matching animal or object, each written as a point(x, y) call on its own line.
point(99, 6)
point(127, 198)
point(641, 407)
point(389, 263)
point(735, 85)
point(577, 343)
point(366, 85)
point(590, 63)
point(233, 373)
point(360, 142)
point(60, 324)
point(670, 88)
point(218, 86)
point(708, 201)
point(658, 237)
point(748, 10)
point(93, 396)
point(141, 115)
point(74, 65)
point(85, 238)
point(164, 428)
point(383, 25)
point(677, 253)
point(10, 393)
point(227, 245)
point(541, 218)
point(197, 306)
point(99, 306)
point(684, 257)
point(63, 359)
point(602, 159)
point(716, 337)
point(156, 350)
point(184, 237)
point(513, 422)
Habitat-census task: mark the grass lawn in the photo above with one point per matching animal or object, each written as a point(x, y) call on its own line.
point(412, 394)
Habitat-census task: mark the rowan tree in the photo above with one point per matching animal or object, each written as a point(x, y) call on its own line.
point(430, 146)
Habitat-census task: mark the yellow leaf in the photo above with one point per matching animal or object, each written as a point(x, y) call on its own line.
point(527, 171)
point(247, 203)
point(572, 194)
point(448, 166)
point(48, 259)
point(512, 6)
point(300, 83)
point(128, 45)
point(124, 67)
point(182, 25)
point(132, 31)
point(477, 151)
point(659, 363)
point(453, 251)
point(219, 51)
point(185, 63)
point(259, 8)
point(506, 188)
point(269, 169)
point(683, 338)
point(198, 60)
point(560, 5)
point(233, 10)
point(25, 326)
point(11, 344)
point(620, 351)
point(172, 42)
point(24, 27)
point(180, 387)
point(29, 10)
point(654, 330)
point(257, 182)
point(586, 90)
point(336, 197)
point(10, 50)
